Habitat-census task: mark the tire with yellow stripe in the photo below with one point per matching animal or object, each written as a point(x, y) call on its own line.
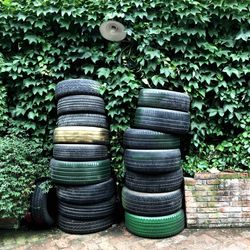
point(81, 134)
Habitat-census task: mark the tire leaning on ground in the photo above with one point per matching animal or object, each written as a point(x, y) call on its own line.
point(155, 227)
point(149, 139)
point(80, 152)
point(84, 226)
point(80, 104)
point(81, 134)
point(151, 204)
point(89, 120)
point(41, 210)
point(152, 161)
point(77, 87)
point(79, 173)
point(87, 194)
point(162, 120)
point(159, 183)
point(87, 211)
point(164, 99)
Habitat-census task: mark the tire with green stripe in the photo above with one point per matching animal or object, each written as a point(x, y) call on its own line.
point(162, 120)
point(155, 227)
point(164, 99)
point(77, 87)
point(152, 161)
point(149, 139)
point(157, 183)
point(87, 194)
point(84, 226)
point(151, 204)
point(79, 173)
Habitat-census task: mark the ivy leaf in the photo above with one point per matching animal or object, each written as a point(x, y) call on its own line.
point(229, 71)
point(153, 53)
point(197, 104)
point(31, 38)
point(21, 16)
point(39, 24)
point(31, 115)
point(229, 107)
point(103, 72)
point(118, 93)
point(221, 112)
point(212, 112)
point(243, 34)
point(166, 71)
point(232, 94)
point(88, 69)
point(158, 80)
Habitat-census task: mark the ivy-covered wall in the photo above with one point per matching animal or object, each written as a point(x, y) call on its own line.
point(201, 47)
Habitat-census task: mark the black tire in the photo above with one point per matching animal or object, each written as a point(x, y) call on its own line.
point(87, 211)
point(41, 210)
point(79, 152)
point(88, 194)
point(152, 161)
point(148, 139)
point(162, 120)
point(77, 87)
point(165, 99)
point(151, 204)
point(80, 104)
point(166, 182)
point(79, 173)
point(90, 120)
point(84, 226)
point(155, 227)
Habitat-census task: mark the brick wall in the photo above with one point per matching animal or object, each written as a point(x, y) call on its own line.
point(218, 200)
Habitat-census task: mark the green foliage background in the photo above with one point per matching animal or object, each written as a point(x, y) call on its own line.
point(201, 47)
point(21, 163)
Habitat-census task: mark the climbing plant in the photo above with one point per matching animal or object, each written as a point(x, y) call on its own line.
point(201, 47)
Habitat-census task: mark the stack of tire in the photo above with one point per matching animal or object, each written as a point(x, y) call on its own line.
point(80, 166)
point(153, 196)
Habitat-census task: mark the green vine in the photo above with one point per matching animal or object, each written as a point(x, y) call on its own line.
point(201, 47)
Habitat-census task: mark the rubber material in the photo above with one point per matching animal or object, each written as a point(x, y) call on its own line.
point(166, 182)
point(79, 173)
point(80, 134)
point(151, 204)
point(40, 211)
point(84, 226)
point(87, 194)
point(77, 87)
point(79, 152)
point(165, 99)
point(162, 120)
point(87, 211)
point(152, 161)
point(148, 139)
point(155, 227)
point(91, 120)
point(80, 104)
